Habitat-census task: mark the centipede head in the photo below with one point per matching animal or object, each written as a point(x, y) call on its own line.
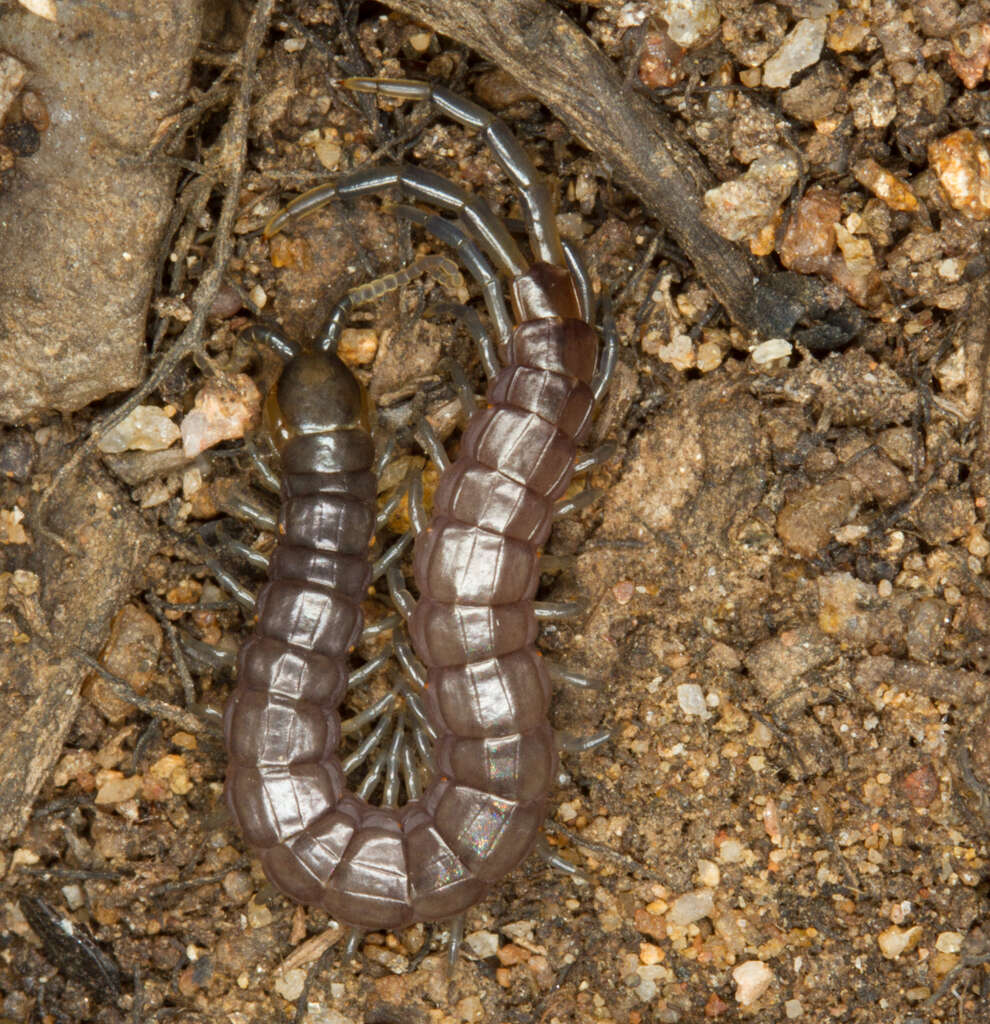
point(315, 393)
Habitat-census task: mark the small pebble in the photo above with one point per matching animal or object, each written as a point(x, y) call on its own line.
point(43, 8)
point(483, 944)
point(225, 408)
point(691, 907)
point(74, 896)
point(691, 699)
point(800, 49)
point(145, 429)
point(689, 20)
point(115, 789)
point(289, 984)
point(949, 942)
point(769, 351)
point(752, 979)
point(793, 1009)
point(258, 915)
point(894, 941)
point(709, 874)
point(731, 852)
point(885, 186)
point(358, 345)
point(962, 165)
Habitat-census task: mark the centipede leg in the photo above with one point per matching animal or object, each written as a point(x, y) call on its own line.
point(473, 260)
point(557, 611)
point(568, 744)
point(602, 454)
point(401, 597)
point(555, 860)
point(254, 514)
point(416, 183)
point(417, 510)
point(465, 393)
point(512, 158)
point(267, 476)
point(431, 445)
point(354, 937)
point(581, 278)
point(609, 356)
point(204, 653)
point(411, 665)
point(381, 626)
point(559, 674)
point(455, 942)
point(227, 580)
point(395, 551)
point(369, 668)
point(487, 350)
point(253, 558)
point(581, 500)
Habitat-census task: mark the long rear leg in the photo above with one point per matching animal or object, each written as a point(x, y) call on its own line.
point(512, 158)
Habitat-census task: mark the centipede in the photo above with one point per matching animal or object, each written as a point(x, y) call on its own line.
point(485, 687)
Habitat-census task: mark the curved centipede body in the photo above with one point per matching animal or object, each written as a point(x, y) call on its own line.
point(474, 627)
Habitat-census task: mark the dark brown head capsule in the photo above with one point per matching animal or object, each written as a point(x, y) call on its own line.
point(315, 394)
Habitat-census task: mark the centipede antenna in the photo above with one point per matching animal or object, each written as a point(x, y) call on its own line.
point(572, 677)
point(395, 551)
point(401, 597)
point(598, 457)
point(582, 281)
point(421, 185)
point(272, 336)
point(381, 626)
point(369, 743)
point(487, 350)
point(367, 787)
point(439, 267)
point(411, 665)
point(556, 611)
point(369, 668)
point(362, 718)
point(417, 513)
point(474, 260)
point(568, 744)
point(390, 793)
point(580, 501)
point(454, 942)
point(610, 352)
point(431, 444)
